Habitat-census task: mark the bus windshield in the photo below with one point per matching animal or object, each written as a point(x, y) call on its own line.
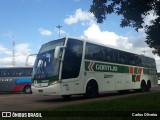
point(45, 65)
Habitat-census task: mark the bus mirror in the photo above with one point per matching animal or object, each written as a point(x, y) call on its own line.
point(30, 60)
point(57, 52)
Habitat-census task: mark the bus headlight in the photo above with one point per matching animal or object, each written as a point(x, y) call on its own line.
point(53, 82)
point(34, 82)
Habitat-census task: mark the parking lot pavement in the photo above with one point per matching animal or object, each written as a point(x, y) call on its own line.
point(29, 102)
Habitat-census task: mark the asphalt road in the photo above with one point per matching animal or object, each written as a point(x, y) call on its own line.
point(29, 102)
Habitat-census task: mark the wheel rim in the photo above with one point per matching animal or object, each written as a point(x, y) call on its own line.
point(28, 90)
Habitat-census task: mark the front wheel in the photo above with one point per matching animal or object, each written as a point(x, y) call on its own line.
point(91, 90)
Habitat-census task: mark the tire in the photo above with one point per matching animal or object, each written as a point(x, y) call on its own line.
point(66, 97)
point(148, 87)
point(143, 86)
point(91, 90)
point(27, 89)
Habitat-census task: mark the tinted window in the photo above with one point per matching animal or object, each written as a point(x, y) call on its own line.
point(72, 59)
point(122, 58)
point(16, 72)
point(106, 54)
point(100, 53)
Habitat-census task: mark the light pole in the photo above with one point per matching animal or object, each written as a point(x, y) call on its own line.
point(59, 29)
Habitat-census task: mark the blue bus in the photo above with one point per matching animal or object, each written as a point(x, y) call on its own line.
point(15, 79)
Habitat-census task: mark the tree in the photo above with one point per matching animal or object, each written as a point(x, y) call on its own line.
point(133, 13)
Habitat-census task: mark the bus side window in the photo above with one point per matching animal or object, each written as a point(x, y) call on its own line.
point(9, 73)
point(121, 57)
point(3, 73)
point(114, 55)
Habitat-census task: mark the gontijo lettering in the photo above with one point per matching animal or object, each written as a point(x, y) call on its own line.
point(106, 67)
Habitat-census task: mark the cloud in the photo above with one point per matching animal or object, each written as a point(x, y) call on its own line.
point(21, 52)
point(105, 37)
point(5, 62)
point(129, 42)
point(22, 49)
point(149, 18)
point(4, 50)
point(86, 18)
point(45, 32)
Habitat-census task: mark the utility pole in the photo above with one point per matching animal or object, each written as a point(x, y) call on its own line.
point(59, 29)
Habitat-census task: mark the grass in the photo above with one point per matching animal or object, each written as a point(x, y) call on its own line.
point(141, 102)
point(149, 102)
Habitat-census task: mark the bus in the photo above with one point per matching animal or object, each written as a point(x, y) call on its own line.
point(15, 79)
point(158, 79)
point(71, 66)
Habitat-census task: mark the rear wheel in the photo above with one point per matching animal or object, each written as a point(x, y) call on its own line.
point(27, 89)
point(143, 86)
point(148, 87)
point(91, 90)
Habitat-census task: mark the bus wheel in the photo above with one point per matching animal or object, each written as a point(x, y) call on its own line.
point(91, 90)
point(148, 87)
point(143, 86)
point(66, 97)
point(27, 89)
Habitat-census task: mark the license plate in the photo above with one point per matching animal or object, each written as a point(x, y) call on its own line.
point(40, 91)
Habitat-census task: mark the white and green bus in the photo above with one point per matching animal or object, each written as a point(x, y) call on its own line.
point(71, 66)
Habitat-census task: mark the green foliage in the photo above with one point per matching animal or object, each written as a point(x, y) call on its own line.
point(128, 103)
point(140, 102)
point(153, 36)
point(133, 12)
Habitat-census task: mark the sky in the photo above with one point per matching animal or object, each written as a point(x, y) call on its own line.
point(33, 22)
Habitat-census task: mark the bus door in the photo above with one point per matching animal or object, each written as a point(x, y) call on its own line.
point(71, 76)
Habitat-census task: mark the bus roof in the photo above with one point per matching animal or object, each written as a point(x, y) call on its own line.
point(97, 43)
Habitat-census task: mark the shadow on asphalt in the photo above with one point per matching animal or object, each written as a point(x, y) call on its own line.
point(75, 98)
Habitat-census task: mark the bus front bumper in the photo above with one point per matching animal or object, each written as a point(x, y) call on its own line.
point(49, 90)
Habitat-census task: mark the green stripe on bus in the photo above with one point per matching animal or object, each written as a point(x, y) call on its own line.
point(51, 79)
point(103, 67)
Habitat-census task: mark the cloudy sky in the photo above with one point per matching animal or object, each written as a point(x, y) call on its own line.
point(33, 22)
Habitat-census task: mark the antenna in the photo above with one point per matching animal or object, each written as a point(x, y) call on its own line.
point(13, 52)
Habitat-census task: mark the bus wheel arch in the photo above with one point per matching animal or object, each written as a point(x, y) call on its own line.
point(27, 89)
point(91, 89)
